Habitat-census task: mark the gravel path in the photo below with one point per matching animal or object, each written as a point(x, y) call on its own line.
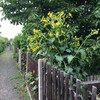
point(7, 71)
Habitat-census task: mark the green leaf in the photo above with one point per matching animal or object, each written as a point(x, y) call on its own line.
point(36, 79)
point(82, 52)
point(39, 52)
point(97, 13)
point(69, 70)
point(51, 40)
point(34, 88)
point(32, 82)
point(68, 50)
point(70, 58)
point(59, 58)
point(62, 48)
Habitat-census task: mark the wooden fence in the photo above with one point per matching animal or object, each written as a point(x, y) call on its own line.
point(93, 78)
point(28, 64)
point(23, 62)
point(54, 84)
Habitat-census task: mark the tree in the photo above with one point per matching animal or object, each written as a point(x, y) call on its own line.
point(84, 16)
point(18, 11)
point(85, 12)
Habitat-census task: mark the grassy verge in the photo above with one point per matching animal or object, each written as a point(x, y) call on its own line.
point(20, 87)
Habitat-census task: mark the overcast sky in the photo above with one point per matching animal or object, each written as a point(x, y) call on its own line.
point(9, 30)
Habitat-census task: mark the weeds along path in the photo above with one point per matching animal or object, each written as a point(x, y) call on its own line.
point(7, 71)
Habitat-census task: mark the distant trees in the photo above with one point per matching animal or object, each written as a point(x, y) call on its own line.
point(0, 26)
point(3, 42)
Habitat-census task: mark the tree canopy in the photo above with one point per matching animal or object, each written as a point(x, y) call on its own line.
point(86, 13)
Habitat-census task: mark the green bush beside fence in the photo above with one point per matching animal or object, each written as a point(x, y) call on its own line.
point(3, 42)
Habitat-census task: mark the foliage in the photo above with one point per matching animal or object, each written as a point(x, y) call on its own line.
point(20, 87)
point(29, 77)
point(20, 42)
point(31, 80)
point(3, 42)
point(85, 12)
point(93, 56)
point(59, 44)
point(66, 40)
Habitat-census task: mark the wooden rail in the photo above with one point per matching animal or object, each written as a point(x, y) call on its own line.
point(54, 84)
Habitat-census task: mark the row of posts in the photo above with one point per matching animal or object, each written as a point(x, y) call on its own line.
point(40, 75)
point(40, 86)
point(19, 60)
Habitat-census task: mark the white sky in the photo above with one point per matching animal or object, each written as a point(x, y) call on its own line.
point(9, 30)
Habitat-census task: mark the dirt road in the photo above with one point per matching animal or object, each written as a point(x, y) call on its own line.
point(7, 71)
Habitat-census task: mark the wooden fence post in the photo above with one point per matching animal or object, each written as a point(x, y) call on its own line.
point(71, 91)
point(94, 92)
point(85, 91)
point(26, 65)
point(78, 90)
point(66, 87)
point(62, 84)
point(40, 78)
point(19, 59)
point(44, 80)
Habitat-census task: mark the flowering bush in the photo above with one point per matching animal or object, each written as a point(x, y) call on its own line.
point(59, 45)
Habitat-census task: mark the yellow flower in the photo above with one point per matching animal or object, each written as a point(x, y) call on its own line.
point(50, 34)
point(53, 23)
point(42, 18)
point(55, 17)
point(39, 35)
point(62, 13)
point(34, 38)
point(33, 71)
point(37, 47)
point(57, 24)
point(96, 32)
point(45, 25)
point(35, 31)
point(70, 14)
point(37, 42)
point(57, 33)
point(75, 36)
point(28, 49)
point(84, 57)
point(50, 15)
point(63, 32)
point(58, 29)
point(78, 44)
point(67, 25)
point(66, 39)
point(45, 20)
point(33, 49)
point(72, 36)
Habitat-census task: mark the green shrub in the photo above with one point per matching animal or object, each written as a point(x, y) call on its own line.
point(57, 43)
point(3, 42)
point(19, 42)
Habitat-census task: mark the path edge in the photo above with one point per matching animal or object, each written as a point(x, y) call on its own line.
point(29, 92)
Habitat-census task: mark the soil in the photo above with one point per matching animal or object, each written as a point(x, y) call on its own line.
point(7, 71)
